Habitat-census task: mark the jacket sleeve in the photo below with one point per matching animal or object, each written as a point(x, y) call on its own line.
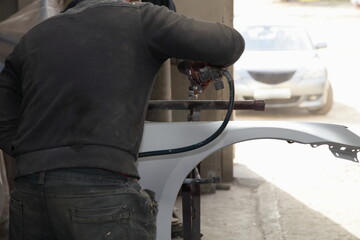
point(169, 34)
point(10, 100)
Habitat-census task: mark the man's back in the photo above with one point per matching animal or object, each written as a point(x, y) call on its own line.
point(86, 76)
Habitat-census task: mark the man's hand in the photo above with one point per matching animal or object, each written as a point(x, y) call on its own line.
point(200, 74)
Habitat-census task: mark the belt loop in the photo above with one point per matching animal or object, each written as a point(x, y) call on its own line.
point(42, 177)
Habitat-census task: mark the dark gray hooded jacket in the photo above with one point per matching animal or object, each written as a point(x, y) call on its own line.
point(75, 90)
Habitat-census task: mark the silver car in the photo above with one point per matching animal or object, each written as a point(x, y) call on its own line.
point(281, 66)
point(356, 3)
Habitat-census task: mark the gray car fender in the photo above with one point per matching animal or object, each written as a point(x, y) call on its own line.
point(165, 174)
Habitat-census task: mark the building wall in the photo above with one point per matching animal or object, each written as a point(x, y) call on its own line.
point(7, 8)
point(23, 3)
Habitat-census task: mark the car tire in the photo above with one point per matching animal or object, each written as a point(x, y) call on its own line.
point(328, 105)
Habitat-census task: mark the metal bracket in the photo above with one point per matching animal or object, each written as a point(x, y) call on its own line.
point(344, 151)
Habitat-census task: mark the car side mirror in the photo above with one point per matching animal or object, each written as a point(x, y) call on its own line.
point(320, 45)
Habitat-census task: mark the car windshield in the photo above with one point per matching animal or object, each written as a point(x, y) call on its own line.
point(276, 38)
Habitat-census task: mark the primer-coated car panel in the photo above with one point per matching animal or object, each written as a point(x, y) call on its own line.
point(165, 174)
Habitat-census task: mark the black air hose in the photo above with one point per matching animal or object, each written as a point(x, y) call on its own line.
point(210, 138)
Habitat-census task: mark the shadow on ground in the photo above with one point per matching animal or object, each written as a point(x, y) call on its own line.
point(299, 222)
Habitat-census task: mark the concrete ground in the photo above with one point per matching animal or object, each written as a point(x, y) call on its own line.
point(256, 209)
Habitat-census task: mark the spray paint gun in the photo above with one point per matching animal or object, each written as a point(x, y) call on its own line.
point(200, 76)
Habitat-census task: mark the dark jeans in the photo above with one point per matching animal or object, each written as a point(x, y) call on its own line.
point(82, 204)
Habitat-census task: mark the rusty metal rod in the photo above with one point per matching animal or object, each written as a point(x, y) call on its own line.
point(256, 105)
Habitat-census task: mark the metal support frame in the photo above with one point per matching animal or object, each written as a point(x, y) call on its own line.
point(191, 211)
point(191, 203)
point(190, 190)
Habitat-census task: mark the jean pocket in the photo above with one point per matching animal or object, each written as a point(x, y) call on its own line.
point(101, 223)
point(16, 219)
point(154, 203)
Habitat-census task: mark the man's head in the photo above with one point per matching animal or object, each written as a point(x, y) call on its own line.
point(71, 3)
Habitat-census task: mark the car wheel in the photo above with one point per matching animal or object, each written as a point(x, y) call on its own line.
point(328, 105)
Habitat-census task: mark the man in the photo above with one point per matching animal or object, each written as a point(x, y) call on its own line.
point(73, 96)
